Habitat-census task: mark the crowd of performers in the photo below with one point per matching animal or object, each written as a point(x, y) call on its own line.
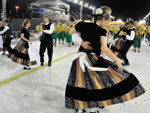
point(94, 81)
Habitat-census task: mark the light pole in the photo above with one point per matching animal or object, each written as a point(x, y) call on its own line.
point(57, 6)
point(81, 9)
point(17, 8)
point(81, 6)
point(3, 13)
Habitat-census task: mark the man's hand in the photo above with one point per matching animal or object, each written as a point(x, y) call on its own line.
point(122, 33)
point(86, 45)
point(125, 34)
point(42, 30)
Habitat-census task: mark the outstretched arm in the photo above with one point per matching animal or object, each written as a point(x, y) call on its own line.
point(72, 31)
point(109, 53)
point(22, 36)
point(5, 29)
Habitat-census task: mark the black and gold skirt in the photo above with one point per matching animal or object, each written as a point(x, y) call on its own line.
point(90, 89)
point(20, 54)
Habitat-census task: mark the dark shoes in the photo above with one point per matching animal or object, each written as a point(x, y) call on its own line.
point(80, 111)
point(102, 107)
point(42, 64)
point(3, 54)
point(49, 64)
point(84, 111)
point(27, 68)
point(125, 64)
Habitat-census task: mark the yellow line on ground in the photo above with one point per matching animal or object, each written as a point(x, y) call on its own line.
point(15, 77)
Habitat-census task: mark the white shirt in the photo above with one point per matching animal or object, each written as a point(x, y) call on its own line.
point(4, 30)
point(131, 36)
point(50, 31)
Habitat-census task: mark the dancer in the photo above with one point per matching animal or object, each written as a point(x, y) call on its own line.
point(93, 81)
point(68, 36)
point(9, 35)
point(55, 35)
point(117, 44)
point(1, 38)
point(21, 54)
point(148, 36)
point(47, 40)
point(129, 37)
point(138, 39)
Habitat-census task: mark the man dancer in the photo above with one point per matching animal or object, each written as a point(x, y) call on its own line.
point(130, 36)
point(9, 35)
point(47, 41)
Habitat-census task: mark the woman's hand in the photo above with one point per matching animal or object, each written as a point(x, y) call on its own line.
point(120, 67)
point(86, 45)
point(32, 35)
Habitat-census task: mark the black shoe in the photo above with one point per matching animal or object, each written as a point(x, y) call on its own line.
point(83, 111)
point(102, 107)
point(49, 64)
point(3, 54)
point(95, 112)
point(42, 64)
point(27, 68)
point(125, 64)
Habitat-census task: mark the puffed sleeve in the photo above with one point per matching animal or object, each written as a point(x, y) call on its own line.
point(80, 26)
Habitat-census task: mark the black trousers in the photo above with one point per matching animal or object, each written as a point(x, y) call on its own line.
point(125, 50)
point(49, 45)
point(7, 44)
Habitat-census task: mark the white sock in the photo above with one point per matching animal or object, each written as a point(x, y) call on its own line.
point(26, 66)
point(91, 110)
point(80, 111)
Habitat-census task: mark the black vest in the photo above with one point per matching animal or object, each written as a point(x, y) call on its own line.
point(47, 36)
point(1, 29)
point(9, 33)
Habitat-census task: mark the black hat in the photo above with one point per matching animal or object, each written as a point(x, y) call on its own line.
point(129, 21)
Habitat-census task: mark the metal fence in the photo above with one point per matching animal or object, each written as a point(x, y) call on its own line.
point(16, 23)
point(17, 34)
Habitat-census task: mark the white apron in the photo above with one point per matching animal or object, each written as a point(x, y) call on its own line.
point(32, 54)
point(1, 42)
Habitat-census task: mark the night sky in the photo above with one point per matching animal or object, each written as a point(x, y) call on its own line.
point(122, 9)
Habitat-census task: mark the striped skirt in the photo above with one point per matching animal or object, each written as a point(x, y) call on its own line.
point(90, 89)
point(20, 55)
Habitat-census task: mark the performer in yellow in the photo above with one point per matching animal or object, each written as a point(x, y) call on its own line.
point(68, 36)
point(140, 30)
point(55, 35)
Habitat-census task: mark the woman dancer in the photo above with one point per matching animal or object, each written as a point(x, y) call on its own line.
point(95, 82)
point(20, 54)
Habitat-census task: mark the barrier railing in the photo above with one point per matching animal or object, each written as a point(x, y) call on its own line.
point(17, 34)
